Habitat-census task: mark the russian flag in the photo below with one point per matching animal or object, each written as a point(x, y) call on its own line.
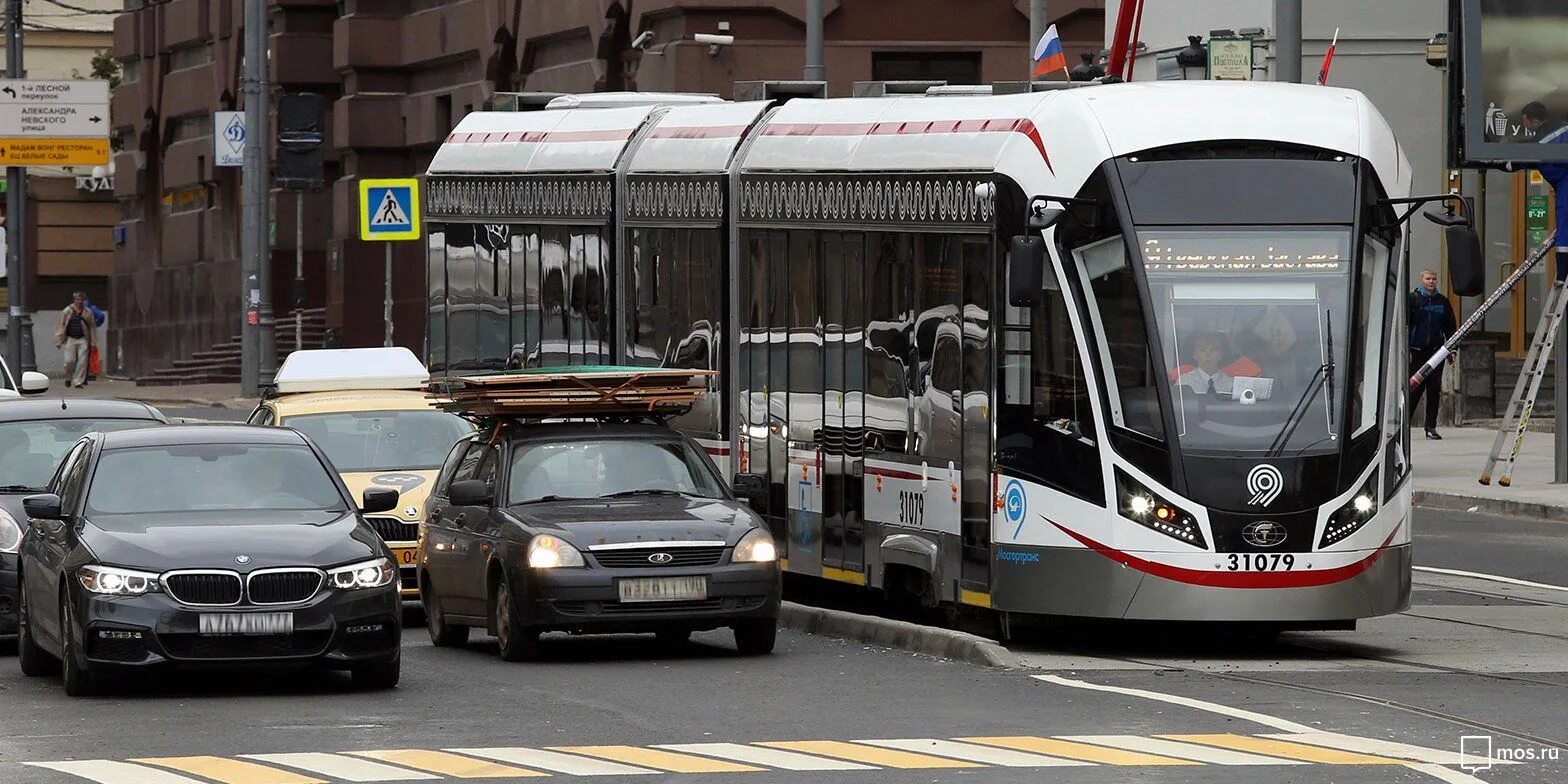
point(1048, 54)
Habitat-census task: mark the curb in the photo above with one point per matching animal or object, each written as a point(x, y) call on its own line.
point(1495, 506)
point(900, 635)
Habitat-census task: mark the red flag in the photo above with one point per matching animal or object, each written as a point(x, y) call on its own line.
point(1328, 59)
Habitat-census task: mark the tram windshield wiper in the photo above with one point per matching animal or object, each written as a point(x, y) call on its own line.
point(1323, 376)
point(20, 489)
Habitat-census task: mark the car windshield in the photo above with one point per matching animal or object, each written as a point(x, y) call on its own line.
point(595, 468)
point(30, 451)
point(1253, 327)
point(212, 478)
point(357, 441)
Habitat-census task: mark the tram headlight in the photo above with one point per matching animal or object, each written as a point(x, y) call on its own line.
point(1349, 518)
point(1144, 507)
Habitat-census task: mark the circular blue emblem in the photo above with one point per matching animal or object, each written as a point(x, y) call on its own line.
point(1015, 504)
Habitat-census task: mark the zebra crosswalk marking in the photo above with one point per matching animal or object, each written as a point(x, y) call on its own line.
point(854, 752)
point(555, 761)
point(1386, 748)
point(1171, 748)
point(773, 758)
point(229, 771)
point(1287, 749)
point(338, 766)
point(454, 765)
point(970, 752)
point(113, 772)
point(658, 758)
point(1080, 751)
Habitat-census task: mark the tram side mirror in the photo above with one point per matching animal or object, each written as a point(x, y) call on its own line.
point(1466, 275)
point(1025, 271)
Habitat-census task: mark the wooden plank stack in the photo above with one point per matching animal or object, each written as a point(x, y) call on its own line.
point(595, 391)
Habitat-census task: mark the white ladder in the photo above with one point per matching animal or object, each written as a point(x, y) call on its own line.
point(1517, 417)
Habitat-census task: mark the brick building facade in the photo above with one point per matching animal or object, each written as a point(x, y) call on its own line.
point(398, 74)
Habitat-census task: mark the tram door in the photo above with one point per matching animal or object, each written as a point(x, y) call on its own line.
point(975, 526)
point(842, 440)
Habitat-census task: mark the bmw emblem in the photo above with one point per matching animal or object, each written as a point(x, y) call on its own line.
point(1264, 533)
point(242, 559)
point(660, 558)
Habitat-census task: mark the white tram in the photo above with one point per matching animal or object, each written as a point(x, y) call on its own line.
point(1127, 351)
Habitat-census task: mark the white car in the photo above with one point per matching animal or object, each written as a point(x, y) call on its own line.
point(32, 383)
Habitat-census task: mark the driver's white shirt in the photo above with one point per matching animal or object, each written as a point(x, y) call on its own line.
point(1197, 379)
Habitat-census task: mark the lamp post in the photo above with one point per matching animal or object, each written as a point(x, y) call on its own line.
point(1193, 59)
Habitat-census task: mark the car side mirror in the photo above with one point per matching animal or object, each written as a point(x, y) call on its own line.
point(34, 383)
point(751, 488)
point(469, 492)
point(1466, 274)
point(377, 499)
point(43, 507)
point(1025, 271)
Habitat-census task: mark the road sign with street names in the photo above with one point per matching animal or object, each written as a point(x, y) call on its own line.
point(54, 152)
point(389, 209)
point(54, 109)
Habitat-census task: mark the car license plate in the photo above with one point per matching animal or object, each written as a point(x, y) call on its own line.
point(407, 556)
point(247, 623)
point(664, 589)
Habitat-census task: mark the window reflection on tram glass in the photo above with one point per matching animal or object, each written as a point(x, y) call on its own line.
point(1250, 322)
point(598, 468)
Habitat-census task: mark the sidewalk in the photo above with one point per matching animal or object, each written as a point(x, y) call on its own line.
point(187, 396)
point(1447, 475)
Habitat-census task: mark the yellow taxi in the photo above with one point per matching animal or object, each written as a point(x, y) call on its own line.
point(367, 410)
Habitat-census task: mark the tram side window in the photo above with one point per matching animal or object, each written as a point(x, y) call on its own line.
point(492, 254)
point(524, 283)
point(644, 323)
point(939, 348)
point(435, 288)
point(694, 320)
point(889, 338)
point(1045, 423)
point(462, 316)
point(553, 291)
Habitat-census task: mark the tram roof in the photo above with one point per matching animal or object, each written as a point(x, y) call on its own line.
point(699, 138)
point(571, 140)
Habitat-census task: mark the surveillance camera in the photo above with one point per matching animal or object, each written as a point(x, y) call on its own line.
point(642, 40)
point(715, 40)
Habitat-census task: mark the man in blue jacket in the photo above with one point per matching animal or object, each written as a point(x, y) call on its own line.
point(1431, 321)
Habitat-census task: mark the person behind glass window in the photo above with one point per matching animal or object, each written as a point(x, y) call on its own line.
point(1208, 349)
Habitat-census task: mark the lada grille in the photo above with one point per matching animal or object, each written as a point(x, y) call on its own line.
point(649, 557)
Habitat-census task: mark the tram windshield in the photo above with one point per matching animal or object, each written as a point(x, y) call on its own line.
point(1253, 325)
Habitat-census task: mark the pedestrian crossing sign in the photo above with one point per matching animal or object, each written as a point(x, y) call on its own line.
point(389, 209)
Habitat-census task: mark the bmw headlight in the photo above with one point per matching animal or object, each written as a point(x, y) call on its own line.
point(552, 552)
point(365, 574)
point(1141, 505)
point(10, 533)
point(113, 581)
point(1349, 518)
point(756, 547)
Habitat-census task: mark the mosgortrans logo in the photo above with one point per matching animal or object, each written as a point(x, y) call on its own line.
point(1017, 556)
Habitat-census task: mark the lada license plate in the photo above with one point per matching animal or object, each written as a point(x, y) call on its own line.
point(247, 623)
point(664, 589)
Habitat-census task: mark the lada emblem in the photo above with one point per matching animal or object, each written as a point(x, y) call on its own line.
point(1264, 533)
point(660, 558)
point(242, 559)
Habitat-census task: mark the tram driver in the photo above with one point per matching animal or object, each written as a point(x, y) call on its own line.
point(1208, 377)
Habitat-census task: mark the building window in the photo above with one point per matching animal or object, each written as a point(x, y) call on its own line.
point(190, 57)
point(950, 67)
point(191, 126)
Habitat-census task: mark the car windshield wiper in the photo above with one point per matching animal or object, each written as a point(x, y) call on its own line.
point(20, 489)
point(548, 498)
point(645, 491)
point(1323, 376)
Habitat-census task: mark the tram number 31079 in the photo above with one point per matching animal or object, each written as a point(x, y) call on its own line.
point(1260, 562)
point(911, 508)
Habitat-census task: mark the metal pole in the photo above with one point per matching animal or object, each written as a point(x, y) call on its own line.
point(19, 324)
point(1036, 29)
point(816, 69)
point(299, 270)
point(1287, 41)
point(1560, 400)
point(252, 219)
point(386, 302)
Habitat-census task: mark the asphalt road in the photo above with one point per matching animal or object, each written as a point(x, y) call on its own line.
point(1094, 704)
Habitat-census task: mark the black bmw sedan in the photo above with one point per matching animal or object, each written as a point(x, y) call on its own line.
point(587, 527)
point(204, 545)
point(34, 436)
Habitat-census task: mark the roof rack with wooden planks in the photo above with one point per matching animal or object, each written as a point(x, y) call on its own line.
point(592, 391)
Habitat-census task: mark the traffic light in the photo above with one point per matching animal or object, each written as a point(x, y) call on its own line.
point(302, 119)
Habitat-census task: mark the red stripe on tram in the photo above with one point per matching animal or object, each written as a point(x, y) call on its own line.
point(1020, 125)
